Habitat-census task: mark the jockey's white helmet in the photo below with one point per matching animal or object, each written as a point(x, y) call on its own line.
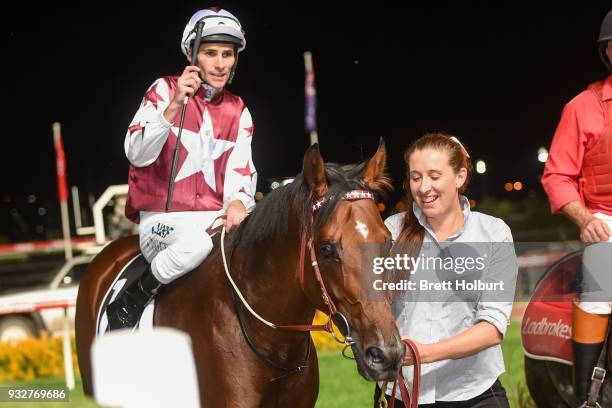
point(219, 26)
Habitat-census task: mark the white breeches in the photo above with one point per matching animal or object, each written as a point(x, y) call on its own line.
point(176, 242)
point(597, 275)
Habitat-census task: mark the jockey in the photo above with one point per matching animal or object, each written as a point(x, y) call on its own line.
point(578, 181)
point(215, 178)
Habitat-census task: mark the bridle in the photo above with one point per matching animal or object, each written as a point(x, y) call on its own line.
point(305, 242)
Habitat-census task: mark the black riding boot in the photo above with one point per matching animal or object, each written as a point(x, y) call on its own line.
point(585, 359)
point(125, 311)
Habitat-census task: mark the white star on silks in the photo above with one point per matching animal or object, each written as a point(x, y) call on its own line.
point(202, 151)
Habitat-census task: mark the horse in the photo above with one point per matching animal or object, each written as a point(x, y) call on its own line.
point(329, 212)
point(548, 354)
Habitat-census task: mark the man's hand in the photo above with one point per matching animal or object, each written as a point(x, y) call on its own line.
point(187, 85)
point(594, 230)
point(234, 214)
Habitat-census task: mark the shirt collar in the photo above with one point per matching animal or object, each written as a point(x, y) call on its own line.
point(606, 91)
point(464, 203)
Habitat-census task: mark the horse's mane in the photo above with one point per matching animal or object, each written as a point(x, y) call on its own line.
point(270, 218)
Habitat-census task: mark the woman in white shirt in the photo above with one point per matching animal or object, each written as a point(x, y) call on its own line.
point(458, 333)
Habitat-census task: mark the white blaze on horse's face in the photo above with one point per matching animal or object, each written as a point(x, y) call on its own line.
point(362, 229)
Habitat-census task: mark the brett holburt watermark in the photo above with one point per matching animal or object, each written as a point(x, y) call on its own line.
point(441, 272)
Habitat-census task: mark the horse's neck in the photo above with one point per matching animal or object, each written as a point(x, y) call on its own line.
point(270, 278)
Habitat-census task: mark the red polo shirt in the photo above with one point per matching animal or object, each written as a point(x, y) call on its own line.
point(582, 122)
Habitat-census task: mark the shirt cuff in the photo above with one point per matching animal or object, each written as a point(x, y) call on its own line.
point(244, 198)
point(560, 191)
point(495, 318)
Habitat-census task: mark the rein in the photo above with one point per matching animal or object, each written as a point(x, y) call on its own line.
point(406, 397)
point(305, 242)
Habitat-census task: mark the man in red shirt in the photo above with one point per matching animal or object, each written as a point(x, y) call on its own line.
point(578, 181)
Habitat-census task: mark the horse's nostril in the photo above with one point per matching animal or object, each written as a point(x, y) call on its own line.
point(375, 355)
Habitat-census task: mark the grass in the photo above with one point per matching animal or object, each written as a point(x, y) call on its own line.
point(340, 385)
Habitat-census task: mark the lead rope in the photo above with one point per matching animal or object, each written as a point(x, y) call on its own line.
point(410, 401)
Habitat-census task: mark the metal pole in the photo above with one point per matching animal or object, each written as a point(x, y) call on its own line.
point(68, 368)
point(66, 230)
point(76, 207)
point(194, 56)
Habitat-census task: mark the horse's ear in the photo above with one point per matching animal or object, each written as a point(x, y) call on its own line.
point(314, 171)
point(375, 174)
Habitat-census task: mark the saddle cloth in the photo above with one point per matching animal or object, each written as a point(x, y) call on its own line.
point(546, 329)
point(130, 273)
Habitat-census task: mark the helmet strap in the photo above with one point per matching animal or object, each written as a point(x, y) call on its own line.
point(603, 45)
point(233, 71)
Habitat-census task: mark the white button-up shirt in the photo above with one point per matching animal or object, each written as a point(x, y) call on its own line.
point(430, 322)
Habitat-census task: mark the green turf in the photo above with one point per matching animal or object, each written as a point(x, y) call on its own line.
point(340, 385)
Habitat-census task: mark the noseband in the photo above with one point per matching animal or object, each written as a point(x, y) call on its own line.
point(306, 241)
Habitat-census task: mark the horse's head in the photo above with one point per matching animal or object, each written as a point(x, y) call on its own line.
point(347, 230)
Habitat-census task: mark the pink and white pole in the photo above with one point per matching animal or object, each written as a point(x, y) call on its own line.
point(62, 188)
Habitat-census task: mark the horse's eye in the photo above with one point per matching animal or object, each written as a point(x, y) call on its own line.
point(328, 251)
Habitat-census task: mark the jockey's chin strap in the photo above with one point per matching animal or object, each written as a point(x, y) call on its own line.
point(352, 195)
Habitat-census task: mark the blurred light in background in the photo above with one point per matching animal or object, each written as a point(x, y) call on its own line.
point(481, 167)
point(542, 154)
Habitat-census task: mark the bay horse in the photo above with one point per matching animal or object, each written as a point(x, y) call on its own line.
point(239, 360)
point(548, 359)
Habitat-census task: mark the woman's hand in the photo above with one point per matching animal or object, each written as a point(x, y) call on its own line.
point(421, 349)
point(473, 340)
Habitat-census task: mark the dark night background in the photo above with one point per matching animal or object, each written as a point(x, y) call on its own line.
point(495, 76)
